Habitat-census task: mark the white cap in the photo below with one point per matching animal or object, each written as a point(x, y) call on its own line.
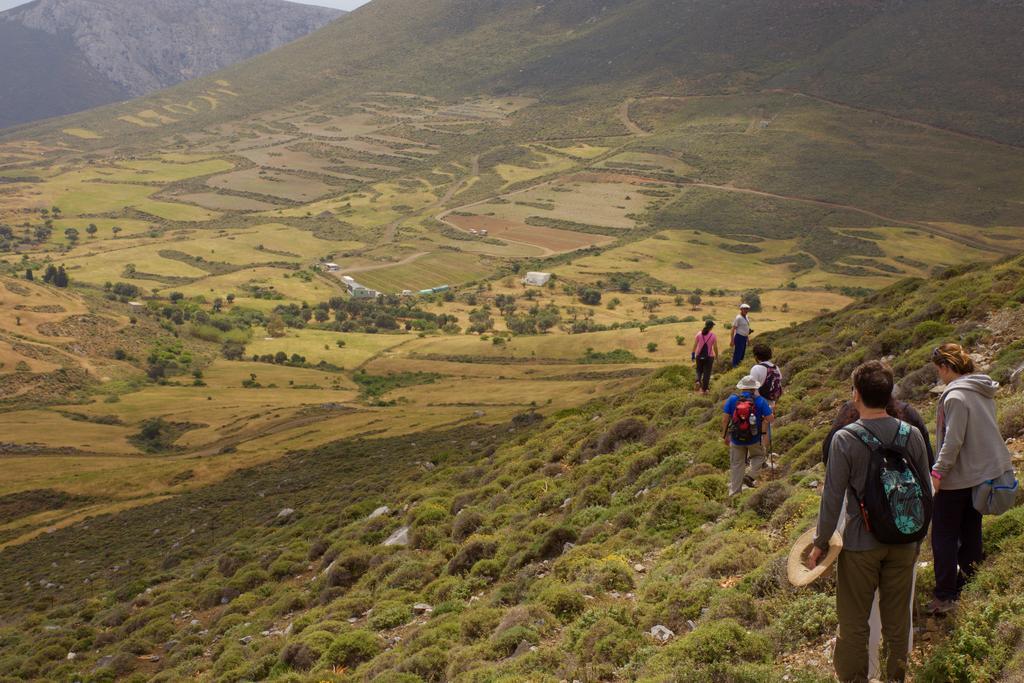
point(744, 305)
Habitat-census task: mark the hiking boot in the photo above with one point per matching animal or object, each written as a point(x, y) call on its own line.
point(749, 481)
point(939, 607)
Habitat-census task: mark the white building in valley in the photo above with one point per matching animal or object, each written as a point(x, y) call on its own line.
point(536, 279)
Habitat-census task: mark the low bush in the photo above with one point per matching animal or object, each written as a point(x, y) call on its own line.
point(352, 648)
point(389, 615)
point(474, 550)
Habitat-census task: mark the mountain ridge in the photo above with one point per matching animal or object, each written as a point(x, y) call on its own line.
point(567, 51)
point(127, 49)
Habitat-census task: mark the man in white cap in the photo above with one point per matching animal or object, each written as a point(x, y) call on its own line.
point(744, 413)
point(740, 335)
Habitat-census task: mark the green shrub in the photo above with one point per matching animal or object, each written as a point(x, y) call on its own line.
point(474, 550)
point(808, 618)
point(352, 648)
point(465, 524)
point(930, 330)
point(563, 601)
point(768, 498)
point(607, 641)
point(478, 623)
point(428, 664)
point(504, 643)
point(1011, 417)
point(389, 615)
point(715, 642)
point(680, 508)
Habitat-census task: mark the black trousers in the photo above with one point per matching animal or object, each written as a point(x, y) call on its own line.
point(704, 366)
point(956, 541)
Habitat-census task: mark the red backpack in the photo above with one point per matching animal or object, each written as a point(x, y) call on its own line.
point(743, 424)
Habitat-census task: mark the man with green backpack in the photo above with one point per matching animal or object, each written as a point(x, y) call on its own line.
point(879, 466)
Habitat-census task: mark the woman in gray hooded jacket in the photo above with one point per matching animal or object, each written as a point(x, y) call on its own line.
point(971, 451)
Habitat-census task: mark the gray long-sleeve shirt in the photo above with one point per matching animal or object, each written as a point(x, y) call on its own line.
point(848, 467)
point(971, 448)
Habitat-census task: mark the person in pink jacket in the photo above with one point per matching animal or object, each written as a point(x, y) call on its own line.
point(705, 350)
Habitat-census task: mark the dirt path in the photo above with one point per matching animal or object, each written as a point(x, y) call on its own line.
point(927, 227)
point(631, 125)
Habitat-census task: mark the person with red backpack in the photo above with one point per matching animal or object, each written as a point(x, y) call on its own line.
point(744, 415)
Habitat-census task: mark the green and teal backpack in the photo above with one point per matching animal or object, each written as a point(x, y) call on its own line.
point(896, 503)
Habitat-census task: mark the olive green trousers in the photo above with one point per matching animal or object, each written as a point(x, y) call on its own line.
point(890, 570)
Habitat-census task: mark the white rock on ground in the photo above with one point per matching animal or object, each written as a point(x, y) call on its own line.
point(662, 633)
point(400, 537)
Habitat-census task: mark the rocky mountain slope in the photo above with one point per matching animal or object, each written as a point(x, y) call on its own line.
point(62, 56)
point(943, 63)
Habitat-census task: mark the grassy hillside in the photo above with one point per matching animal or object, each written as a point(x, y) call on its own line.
point(543, 549)
point(198, 430)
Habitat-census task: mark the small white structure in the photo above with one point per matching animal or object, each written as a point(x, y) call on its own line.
point(407, 292)
point(535, 279)
point(331, 267)
point(472, 231)
point(483, 233)
point(360, 292)
point(348, 280)
point(136, 304)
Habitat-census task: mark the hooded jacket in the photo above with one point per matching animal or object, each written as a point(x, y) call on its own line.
point(971, 448)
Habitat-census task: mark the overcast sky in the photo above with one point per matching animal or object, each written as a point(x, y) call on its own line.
point(340, 4)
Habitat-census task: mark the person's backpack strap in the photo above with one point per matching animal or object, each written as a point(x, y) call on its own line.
point(864, 434)
point(902, 435)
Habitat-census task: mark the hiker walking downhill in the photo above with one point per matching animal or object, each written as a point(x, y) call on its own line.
point(740, 335)
point(971, 452)
point(743, 415)
point(847, 415)
point(876, 478)
point(768, 375)
point(705, 350)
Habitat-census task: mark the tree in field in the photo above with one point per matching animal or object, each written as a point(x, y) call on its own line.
point(50, 274)
point(217, 304)
point(91, 229)
point(115, 229)
point(230, 299)
point(176, 296)
point(590, 296)
point(321, 315)
point(233, 350)
point(61, 278)
point(752, 297)
point(28, 275)
point(694, 300)
point(55, 211)
point(71, 234)
point(275, 326)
